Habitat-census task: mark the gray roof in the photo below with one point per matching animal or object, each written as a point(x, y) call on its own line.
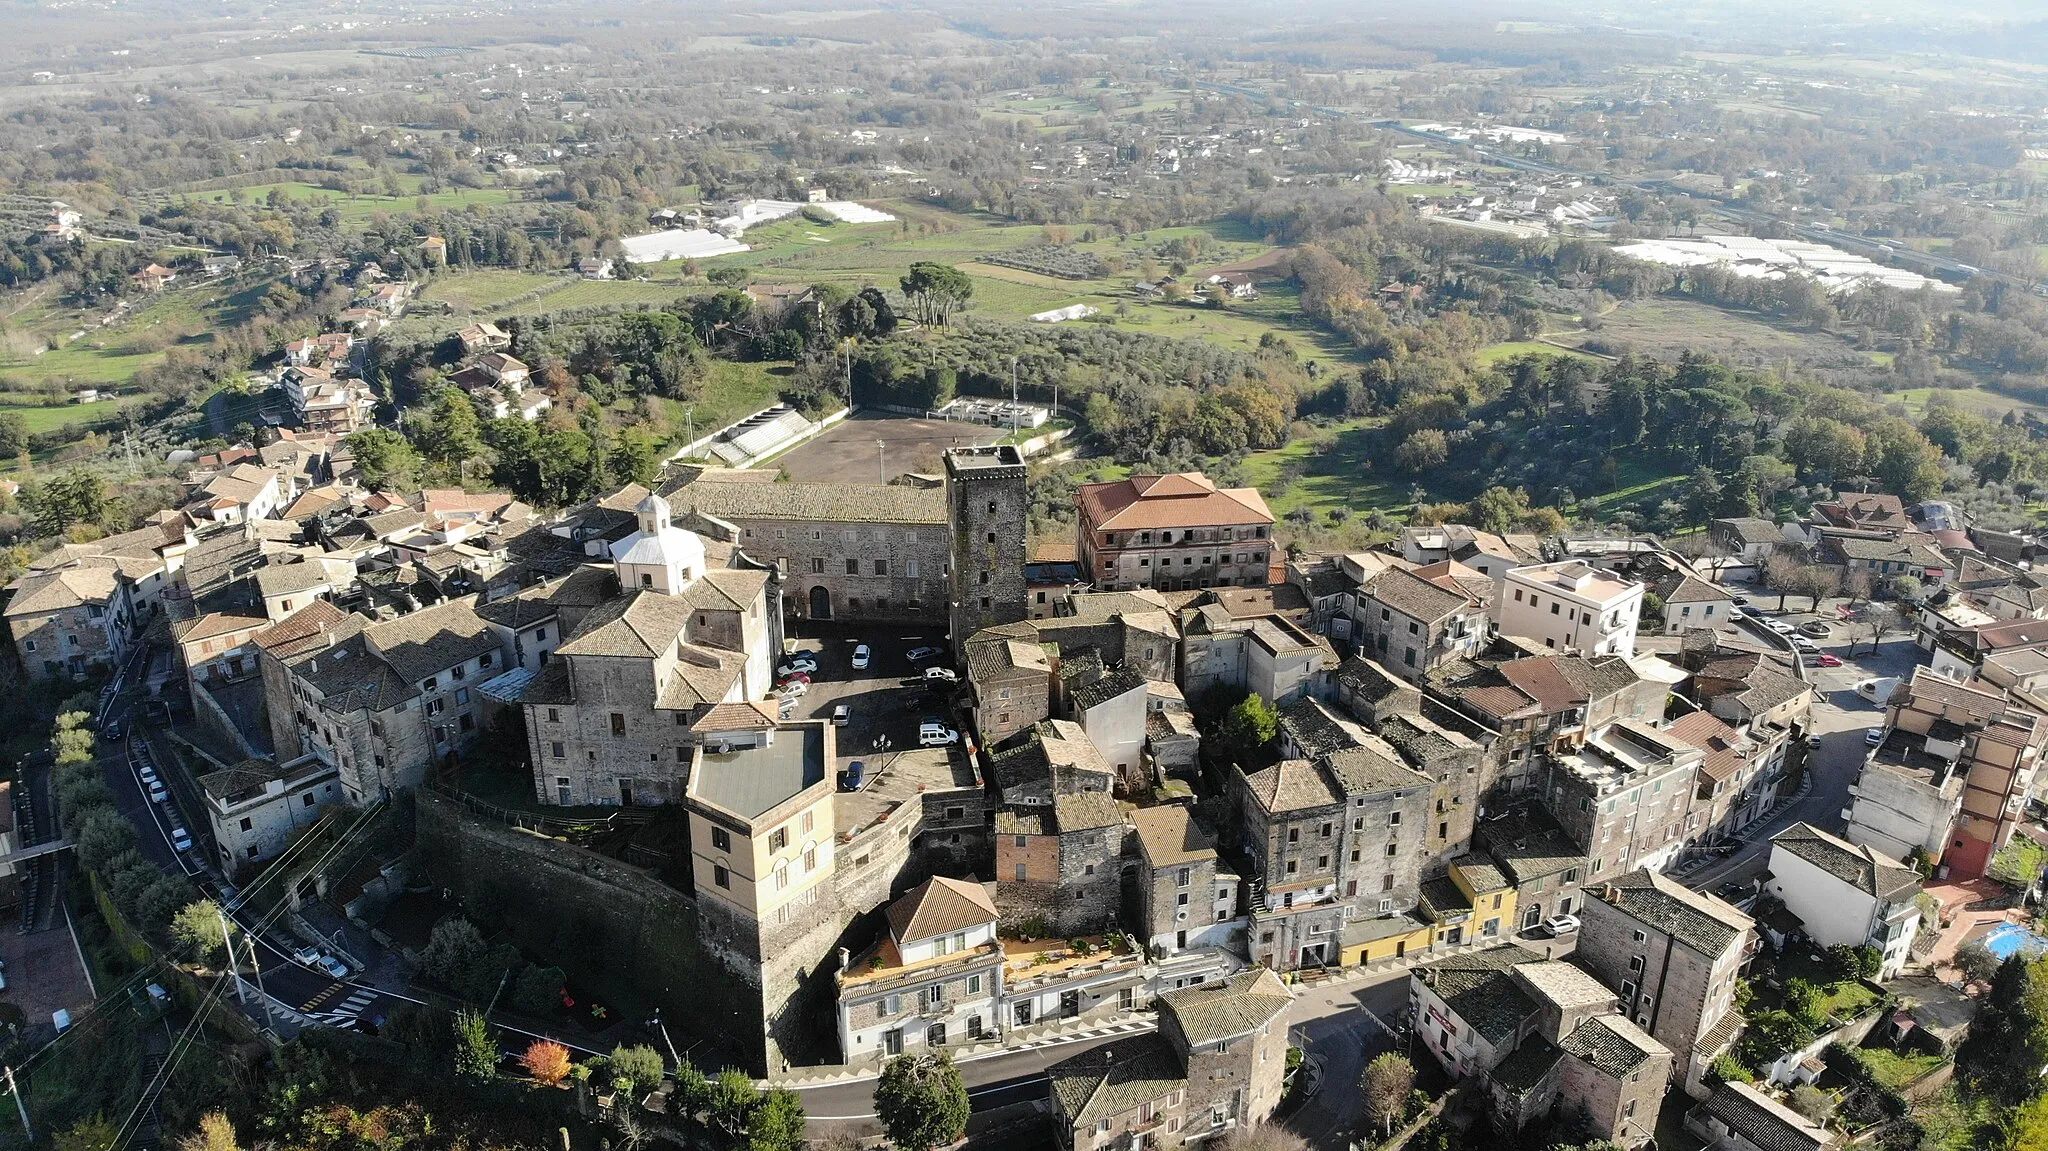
point(1754, 531)
point(1480, 872)
point(1227, 1009)
point(432, 639)
point(1478, 987)
point(1564, 984)
point(753, 780)
point(1528, 846)
point(1314, 728)
point(1767, 689)
point(1702, 922)
point(1857, 865)
point(1372, 769)
point(1520, 1072)
point(1415, 597)
point(1086, 811)
point(1118, 681)
point(1115, 1078)
point(287, 579)
point(1611, 1045)
point(1761, 1120)
point(835, 503)
point(1022, 821)
point(349, 676)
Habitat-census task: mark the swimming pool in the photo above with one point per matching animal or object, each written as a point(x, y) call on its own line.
point(2008, 939)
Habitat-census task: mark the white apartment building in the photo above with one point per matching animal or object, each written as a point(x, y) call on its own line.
point(1572, 607)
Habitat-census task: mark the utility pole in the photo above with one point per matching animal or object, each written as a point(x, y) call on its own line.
point(502, 981)
point(846, 359)
point(665, 1040)
point(1013, 395)
point(21, 1104)
point(690, 429)
point(256, 965)
point(881, 462)
point(228, 941)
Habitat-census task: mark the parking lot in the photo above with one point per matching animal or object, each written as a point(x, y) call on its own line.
point(887, 700)
point(870, 448)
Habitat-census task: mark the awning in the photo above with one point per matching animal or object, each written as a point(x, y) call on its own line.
point(509, 687)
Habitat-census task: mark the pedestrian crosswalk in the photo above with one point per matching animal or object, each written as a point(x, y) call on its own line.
point(344, 1013)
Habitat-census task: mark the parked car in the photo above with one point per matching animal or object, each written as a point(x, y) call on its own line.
point(1725, 848)
point(1734, 891)
point(794, 689)
point(1816, 629)
point(786, 708)
point(181, 840)
point(157, 794)
point(841, 715)
point(920, 654)
point(1779, 626)
point(1813, 742)
point(1561, 924)
point(936, 735)
point(113, 730)
point(1878, 689)
point(1827, 660)
point(1873, 736)
point(856, 773)
point(1742, 601)
point(861, 656)
point(941, 675)
point(797, 677)
point(332, 966)
point(1801, 643)
point(147, 774)
point(802, 664)
point(307, 957)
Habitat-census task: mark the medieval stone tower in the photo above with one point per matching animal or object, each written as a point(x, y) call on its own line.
point(985, 504)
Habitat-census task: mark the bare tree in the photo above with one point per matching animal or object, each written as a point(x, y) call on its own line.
point(1818, 581)
point(1857, 585)
point(1781, 575)
point(1385, 1084)
point(1876, 621)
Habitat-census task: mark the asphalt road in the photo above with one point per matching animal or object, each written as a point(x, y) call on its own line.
point(993, 1081)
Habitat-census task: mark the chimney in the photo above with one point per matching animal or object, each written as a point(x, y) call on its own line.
point(845, 959)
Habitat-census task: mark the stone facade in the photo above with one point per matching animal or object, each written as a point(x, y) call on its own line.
point(985, 507)
point(1673, 954)
point(851, 551)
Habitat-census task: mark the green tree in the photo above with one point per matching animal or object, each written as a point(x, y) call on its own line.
point(385, 458)
point(732, 1101)
point(1421, 451)
point(476, 1053)
point(197, 932)
point(1802, 999)
point(13, 434)
point(453, 947)
point(778, 1124)
point(446, 430)
point(538, 990)
point(2007, 1044)
point(78, 496)
point(921, 1101)
point(2026, 1126)
point(1248, 727)
point(97, 1133)
point(638, 1062)
point(935, 291)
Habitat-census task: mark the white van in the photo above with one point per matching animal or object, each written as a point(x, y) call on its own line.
point(936, 735)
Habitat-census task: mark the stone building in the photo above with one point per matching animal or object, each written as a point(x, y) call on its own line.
point(1411, 624)
point(1217, 1063)
point(69, 621)
point(256, 807)
point(1672, 954)
point(384, 701)
point(985, 510)
point(1268, 655)
point(846, 551)
point(1542, 1037)
point(1060, 866)
point(1176, 532)
point(1623, 796)
point(1011, 680)
point(1187, 894)
point(635, 690)
point(1328, 841)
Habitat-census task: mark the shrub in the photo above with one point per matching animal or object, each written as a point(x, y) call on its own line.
point(547, 1061)
point(638, 1062)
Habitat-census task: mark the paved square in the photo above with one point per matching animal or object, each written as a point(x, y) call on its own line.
point(848, 454)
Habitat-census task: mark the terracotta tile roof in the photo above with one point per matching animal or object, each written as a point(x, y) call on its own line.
point(940, 906)
point(1705, 731)
point(1292, 785)
point(1170, 836)
point(1238, 1006)
point(319, 625)
point(1540, 679)
point(1187, 499)
point(1115, 1079)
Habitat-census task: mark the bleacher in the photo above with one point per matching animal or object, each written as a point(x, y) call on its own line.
point(760, 434)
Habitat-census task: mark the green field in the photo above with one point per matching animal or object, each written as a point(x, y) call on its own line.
point(1508, 350)
point(483, 290)
point(358, 207)
point(50, 417)
point(613, 293)
point(1318, 473)
point(732, 392)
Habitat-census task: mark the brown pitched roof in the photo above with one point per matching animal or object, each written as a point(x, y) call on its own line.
point(1187, 499)
point(938, 906)
point(1292, 785)
point(1704, 730)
